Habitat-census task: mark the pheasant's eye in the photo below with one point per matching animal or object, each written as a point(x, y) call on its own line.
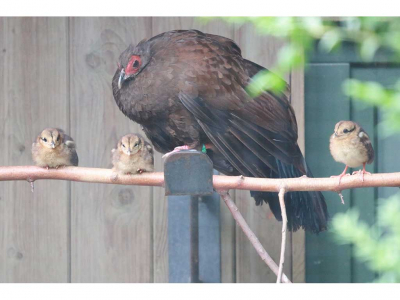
point(133, 65)
point(44, 139)
point(345, 131)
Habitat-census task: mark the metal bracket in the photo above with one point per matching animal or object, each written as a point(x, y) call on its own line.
point(188, 172)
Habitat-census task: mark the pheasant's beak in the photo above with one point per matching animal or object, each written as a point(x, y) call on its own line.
point(121, 78)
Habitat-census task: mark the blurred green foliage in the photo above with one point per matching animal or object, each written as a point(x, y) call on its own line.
point(378, 246)
point(304, 34)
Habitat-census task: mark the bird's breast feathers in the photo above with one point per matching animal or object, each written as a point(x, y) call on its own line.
point(59, 156)
point(351, 152)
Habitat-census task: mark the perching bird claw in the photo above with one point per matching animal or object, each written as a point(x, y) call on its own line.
point(362, 172)
point(341, 175)
point(177, 149)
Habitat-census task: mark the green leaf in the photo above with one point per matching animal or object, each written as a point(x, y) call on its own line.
point(330, 40)
point(313, 25)
point(265, 80)
point(290, 57)
point(369, 47)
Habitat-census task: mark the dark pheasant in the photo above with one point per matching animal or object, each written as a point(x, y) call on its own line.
point(188, 88)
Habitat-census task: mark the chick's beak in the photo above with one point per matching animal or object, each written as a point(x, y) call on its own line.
point(52, 145)
point(121, 78)
point(129, 152)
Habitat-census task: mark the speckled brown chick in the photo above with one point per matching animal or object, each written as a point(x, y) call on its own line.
point(53, 149)
point(133, 155)
point(350, 145)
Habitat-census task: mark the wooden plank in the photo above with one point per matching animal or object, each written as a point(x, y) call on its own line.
point(159, 25)
point(3, 152)
point(34, 239)
point(160, 228)
point(262, 50)
point(298, 237)
point(228, 243)
point(111, 225)
point(325, 105)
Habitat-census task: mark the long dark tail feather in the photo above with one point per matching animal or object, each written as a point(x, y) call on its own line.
point(304, 209)
point(258, 152)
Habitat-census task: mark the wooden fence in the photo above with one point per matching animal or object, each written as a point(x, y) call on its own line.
point(57, 72)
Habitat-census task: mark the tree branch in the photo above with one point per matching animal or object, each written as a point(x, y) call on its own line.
point(250, 235)
point(32, 173)
point(97, 175)
point(93, 175)
point(221, 183)
point(284, 227)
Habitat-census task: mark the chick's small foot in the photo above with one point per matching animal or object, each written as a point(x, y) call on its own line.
point(177, 149)
point(341, 175)
point(361, 173)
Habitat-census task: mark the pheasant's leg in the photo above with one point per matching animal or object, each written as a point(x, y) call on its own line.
point(186, 147)
point(177, 149)
point(341, 175)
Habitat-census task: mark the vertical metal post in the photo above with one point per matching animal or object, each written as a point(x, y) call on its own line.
point(194, 239)
point(209, 239)
point(194, 244)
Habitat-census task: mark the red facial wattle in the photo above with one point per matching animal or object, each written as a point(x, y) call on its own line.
point(133, 65)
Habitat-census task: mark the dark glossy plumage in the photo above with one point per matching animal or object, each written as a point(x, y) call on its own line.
point(188, 88)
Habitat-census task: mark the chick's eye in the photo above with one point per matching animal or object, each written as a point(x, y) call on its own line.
point(58, 138)
point(136, 144)
point(44, 139)
point(345, 131)
point(123, 145)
